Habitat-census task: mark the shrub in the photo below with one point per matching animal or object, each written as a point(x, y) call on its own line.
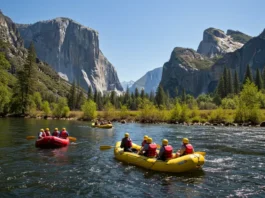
point(46, 108)
point(89, 109)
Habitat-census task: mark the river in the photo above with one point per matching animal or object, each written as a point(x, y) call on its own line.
point(234, 167)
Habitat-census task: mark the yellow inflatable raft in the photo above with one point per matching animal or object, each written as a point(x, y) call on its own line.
point(105, 126)
point(180, 164)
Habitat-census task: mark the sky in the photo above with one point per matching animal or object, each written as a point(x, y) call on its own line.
point(139, 35)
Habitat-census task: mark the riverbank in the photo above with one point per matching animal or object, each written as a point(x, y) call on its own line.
point(216, 117)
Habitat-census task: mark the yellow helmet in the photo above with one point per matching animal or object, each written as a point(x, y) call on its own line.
point(56, 129)
point(145, 137)
point(165, 142)
point(126, 135)
point(149, 140)
point(42, 130)
point(185, 140)
point(63, 129)
point(47, 129)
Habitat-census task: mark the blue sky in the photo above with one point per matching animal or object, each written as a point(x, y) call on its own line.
point(138, 36)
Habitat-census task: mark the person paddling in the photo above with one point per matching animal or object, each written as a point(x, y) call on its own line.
point(185, 149)
point(144, 140)
point(41, 134)
point(149, 149)
point(165, 152)
point(63, 134)
point(47, 132)
point(56, 132)
point(126, 143)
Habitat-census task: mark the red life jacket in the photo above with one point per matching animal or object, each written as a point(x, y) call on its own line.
point(63, 134)
point(189, 149)
point(43, 134)
point(47, 133)
point(55, 133)
point(168, 151)
point(129, 143)
point(151, 152)
point(143, 142)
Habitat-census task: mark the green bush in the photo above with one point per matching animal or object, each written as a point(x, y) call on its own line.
point(89, 109)
point(46, 108)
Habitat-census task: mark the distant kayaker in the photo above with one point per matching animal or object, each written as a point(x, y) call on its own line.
point(41, 134)
point(47, 132)
point(185, 149)
point(63, 134)
point(96, 123)
point(126, 143)
point(166, 151)
point(56, 132)
point(145, 140)
point(149, 149)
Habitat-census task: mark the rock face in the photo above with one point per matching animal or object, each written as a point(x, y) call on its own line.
point(238, 36)
point(215, 42)
point(149, 82)
point(184, 69)
point(73, 51)
point(126, 84)
point(187, 70)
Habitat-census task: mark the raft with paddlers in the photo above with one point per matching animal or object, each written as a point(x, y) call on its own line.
point(181, 164)
point(52, 142)
point(104, 126)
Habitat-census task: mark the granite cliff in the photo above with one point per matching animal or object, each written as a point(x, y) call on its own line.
point(149, 82)
point(198, 73)
point(73, 51)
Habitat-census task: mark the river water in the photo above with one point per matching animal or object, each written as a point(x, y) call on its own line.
point(234, 167)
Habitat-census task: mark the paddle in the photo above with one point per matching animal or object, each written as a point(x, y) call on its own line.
point(104, 147)
point(73, 139)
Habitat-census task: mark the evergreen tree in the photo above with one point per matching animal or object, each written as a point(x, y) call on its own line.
point(96, 96)
point(152, 96)
point(236, 84)
point(113, 99)
point(72, 97)
point(99, 102)
point(259, 81)
point(183, 97)
point(89, 93)
point(160, 96)
point(127, 96)
point(221, 87)
point(27, 78)
point(248, 75)
point(142, 93)
point(263, 77)
point(226, 82)
point(230, 83)
point(80, 99)
point(136, 92)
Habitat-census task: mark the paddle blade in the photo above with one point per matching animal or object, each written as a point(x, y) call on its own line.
point(201, 153)
point(73, 139)
point(103, 147)
point(30, 137)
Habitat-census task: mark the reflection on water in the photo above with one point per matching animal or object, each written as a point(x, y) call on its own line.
point(234, 162)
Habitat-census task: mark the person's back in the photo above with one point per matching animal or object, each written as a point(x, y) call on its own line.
point(41, 134)
point(185, 149)
point(150, 148)
point(144, 140)
point(126, 143)
point(166, 151)
point(64, 134)
point(47, 132)
point(56, 132)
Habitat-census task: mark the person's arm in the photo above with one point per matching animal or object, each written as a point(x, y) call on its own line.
point(40, 135)
point(161, 151)
point(122, 143)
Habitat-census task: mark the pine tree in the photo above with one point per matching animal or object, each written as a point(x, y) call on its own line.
point(160, 96)
point(226, 82)
point(89, 93)
point(263, 77)
point(136, 92)
point(230, 83)
point(113, 99)
point(236, 84)
point(142, 93)
point(95, 96)
point(100, 104)
point(72, 97)
point(221, 87)
point(27, 78)
point(259, 82)
point(183, 97)
point(248, 75)
point(80, 100)
point(152, 96)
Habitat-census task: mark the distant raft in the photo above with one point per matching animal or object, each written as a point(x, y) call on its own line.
point(181, 164)
point(105, 126)
point(51, 142)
